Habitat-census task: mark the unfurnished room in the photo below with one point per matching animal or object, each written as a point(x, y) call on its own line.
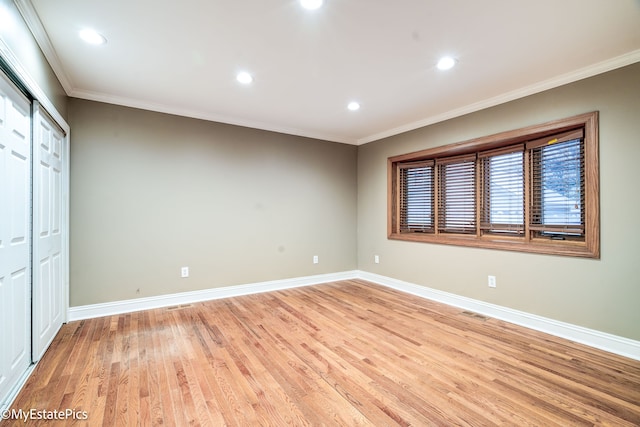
point(319, 213)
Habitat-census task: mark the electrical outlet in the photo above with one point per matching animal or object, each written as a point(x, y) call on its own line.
point(184, 272)
point(376, 259)
point(315, 259)
point(491, 280)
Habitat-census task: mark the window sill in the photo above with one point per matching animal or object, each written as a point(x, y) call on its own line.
point(518, 244)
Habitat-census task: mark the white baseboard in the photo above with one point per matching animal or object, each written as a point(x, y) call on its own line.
point(138, 304)
point(601, 340)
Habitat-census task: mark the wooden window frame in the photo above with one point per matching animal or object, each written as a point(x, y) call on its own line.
point(588, 246)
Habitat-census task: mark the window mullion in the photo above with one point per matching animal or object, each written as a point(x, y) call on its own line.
point(528, 203)
point(398, 197)
point(479, 194)
point(436, 199)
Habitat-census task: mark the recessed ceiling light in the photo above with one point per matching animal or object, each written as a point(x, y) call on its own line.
point(244, 78)
point(311, 4)
point(92, 37)
point(353, 106)
point(446, 63)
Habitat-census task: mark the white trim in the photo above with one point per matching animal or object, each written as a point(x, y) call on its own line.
point(35, 25)
point(601, 340)
point(31, 18)
point(201, 115)
point(66, 187)
point(583, 73)
point(138, 304)
point(31, 85)
point(574, 76)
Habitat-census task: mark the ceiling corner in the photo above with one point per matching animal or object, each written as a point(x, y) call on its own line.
point(32, 20)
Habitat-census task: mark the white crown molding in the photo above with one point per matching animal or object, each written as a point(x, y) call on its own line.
point(601, 340)
point(32, 20)
point(160, 108)
point(583, 73)
point(35, 25)
point(32, 86)
point(590, 71)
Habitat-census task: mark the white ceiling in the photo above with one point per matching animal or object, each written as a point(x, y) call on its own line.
point(181, 57)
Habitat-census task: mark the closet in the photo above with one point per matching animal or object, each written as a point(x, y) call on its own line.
point(33, 233)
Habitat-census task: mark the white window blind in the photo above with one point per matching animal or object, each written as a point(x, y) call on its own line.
point(416, 198)
point(456, 201)
point(557, 167)
point(502, 186)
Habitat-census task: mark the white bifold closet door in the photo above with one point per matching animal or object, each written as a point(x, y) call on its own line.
point(15, 235)
point(48, 256)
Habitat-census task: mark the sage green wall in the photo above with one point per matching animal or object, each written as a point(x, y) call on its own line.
point(18, 38)
point(152, 192)
point(599, 294)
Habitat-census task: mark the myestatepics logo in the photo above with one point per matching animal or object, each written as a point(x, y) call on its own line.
point(44, 414)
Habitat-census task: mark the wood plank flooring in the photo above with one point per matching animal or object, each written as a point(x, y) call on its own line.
point(348, 353)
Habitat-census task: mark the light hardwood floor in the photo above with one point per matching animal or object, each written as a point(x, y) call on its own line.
point(348, 353)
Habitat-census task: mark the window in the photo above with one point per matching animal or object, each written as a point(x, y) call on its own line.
point(557, 182)
point(456, 195)
point(532, 190)
point(416, 203)
point(502, 186)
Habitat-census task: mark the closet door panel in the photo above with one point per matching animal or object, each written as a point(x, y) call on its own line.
point(48, 279)
point(15, 236)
